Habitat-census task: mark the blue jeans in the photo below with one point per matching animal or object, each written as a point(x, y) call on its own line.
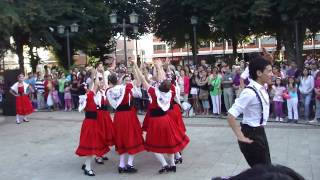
point(61, 98)
point(317, 116)
point(306, 99)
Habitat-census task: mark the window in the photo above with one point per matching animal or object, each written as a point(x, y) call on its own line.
point(268, 40)
point(160, 47)
point(204, 44)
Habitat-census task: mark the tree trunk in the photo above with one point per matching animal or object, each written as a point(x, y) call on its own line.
point(289, 37)
point(234, 48)
point(288, 41)
point(301, 36)
point(19, 50)
point(278, 46)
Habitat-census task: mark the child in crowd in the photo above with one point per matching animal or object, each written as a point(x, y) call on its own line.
point(278, 90)
point(55, 98)
point(67, 97)
point(292, 101)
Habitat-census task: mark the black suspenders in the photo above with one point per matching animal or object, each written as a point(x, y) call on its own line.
point(260, 101)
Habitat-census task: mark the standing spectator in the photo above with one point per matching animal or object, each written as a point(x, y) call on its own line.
point(39, 87)
point(67, 97)
point(74, 91)
point(236, 81)
point(32, 82)
point(215, 91)
point(204, 91)
point(293, 71)
point(317, 98)
point(306, 88)
point(49, 87)
point(69, 76)
point(195, 90)
point(278, 89)
point(292, 102)
point(55, 98)
point(314, 69)
point(185, 87)
point(308, 61)
point(226, 83)
point(204, 64)
point(61, 81)
point(283, 70)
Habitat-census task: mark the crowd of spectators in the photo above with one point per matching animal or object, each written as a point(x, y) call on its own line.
point(205, 89)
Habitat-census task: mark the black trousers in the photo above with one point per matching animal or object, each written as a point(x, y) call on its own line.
point(258, 151)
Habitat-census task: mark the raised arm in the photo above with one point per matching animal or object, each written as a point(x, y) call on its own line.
point(137, 81)
point(95, 81)
point(161, 75)
point(144, 82)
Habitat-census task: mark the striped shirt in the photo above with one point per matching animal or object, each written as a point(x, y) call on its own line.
point(39, 86)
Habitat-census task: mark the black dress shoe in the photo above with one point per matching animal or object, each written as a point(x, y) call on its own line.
point(178, 161)
point(89, 172)
point(105, 158)
point(131, 169)
point(99, 160)
point(122, 170)
point(173, 168)
point(164, 169)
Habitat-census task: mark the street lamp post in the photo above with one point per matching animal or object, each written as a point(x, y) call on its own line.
point(73, 29)
point(133, 20)
point(194, 22)
point(187, 37)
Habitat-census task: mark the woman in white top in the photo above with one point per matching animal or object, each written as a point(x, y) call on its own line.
point(306, 88)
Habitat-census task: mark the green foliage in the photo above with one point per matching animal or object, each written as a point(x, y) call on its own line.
point(235, 20)
point(34, 23)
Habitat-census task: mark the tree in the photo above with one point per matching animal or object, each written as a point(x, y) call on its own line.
point(282, 18)
point(33, 23)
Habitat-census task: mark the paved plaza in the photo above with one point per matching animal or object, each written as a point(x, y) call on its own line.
point(43, 149)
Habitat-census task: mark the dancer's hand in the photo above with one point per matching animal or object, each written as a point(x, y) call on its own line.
point(245, 140)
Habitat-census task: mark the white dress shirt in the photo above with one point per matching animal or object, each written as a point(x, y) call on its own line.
point(245, 73)
point(306, 85)
point(248, 104)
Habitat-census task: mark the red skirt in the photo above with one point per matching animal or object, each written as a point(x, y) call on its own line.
point(91, 142)
point(176, 115)
point(128, 132)
point(164, 136)
point(23, 105)
point(106, 126)
point(146, 120)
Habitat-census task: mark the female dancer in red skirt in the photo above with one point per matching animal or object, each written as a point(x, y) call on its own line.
point(127, 128)
point(104, 120)
point(175, 111)
point(163, 135)
point(23, 103)
point(92, 142)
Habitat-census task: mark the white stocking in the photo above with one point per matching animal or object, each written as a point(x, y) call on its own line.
point(88, 163)
point(130, 160)
point(177, 155)
point(171, 159)
point(18, 118)
point(161, 158)
point(122, 160)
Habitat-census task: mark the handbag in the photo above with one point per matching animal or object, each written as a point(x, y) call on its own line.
point(203, 94)
point(286, 95)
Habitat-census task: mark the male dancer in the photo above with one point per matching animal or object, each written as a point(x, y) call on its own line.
point(254, 103)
